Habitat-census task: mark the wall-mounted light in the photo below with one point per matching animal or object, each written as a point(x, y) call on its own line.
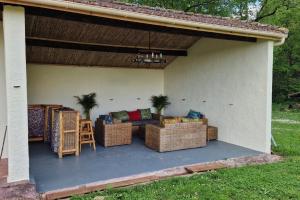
point(17, 86)
point(111, 99)
point(204, 101)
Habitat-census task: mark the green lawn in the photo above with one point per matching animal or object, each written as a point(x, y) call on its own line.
point(269, 181)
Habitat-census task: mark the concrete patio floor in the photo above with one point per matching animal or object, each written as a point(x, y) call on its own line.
point(51, 173)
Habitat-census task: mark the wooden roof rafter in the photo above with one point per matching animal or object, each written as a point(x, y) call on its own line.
point(52, 40)
point(63, 44)
point(130, 25)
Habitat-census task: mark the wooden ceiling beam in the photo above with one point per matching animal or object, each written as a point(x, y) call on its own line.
point(63, 44)
point(130, 25)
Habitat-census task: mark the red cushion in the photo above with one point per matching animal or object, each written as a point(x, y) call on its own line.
point(134, 115)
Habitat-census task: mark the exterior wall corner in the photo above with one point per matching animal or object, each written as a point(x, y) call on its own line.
point(16, 92)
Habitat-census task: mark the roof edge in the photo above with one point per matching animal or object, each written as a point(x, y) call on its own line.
point(113, 13)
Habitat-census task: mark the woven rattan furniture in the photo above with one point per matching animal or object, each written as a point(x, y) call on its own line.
point(212, 133)
point(36, 122)
point(65, 132)
point(86, 133)
point(48, 120)
point(113, 134)
point(39, 121)
point(176, 136)
point(139, 128)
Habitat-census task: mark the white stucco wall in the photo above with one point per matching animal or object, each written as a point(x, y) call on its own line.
point(50, 84)
point(3, 121)
point(16, 92)
point(230, 82)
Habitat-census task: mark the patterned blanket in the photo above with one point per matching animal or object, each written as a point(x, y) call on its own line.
point(36, 121)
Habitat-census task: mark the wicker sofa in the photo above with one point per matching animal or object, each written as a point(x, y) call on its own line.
point(113, 134)
point(176, 136)
point(138, 127)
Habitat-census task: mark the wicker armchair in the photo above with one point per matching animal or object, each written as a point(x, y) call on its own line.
point(176, 136)
point(113, 134)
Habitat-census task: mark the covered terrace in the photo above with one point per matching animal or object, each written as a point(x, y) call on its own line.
point(54, 50)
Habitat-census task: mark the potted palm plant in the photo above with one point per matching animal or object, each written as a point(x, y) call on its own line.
point(88, 102)
point(159, 103)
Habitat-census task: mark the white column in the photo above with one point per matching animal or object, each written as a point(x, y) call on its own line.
point(16, 91)
point(2, 95)
point(269, 79)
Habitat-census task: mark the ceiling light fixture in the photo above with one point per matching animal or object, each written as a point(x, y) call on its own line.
point(149, 56)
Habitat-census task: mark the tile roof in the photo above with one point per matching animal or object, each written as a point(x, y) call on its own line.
point(187, 16)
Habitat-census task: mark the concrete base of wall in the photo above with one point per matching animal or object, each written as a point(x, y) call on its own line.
point(3, 171)
point(19, 190)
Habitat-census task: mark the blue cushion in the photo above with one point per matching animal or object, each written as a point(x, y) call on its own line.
point(106, 118)
point(195, 114)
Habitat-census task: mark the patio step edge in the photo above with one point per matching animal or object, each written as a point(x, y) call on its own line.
point(205, 167)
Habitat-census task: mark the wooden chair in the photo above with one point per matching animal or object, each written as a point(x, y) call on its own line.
point(86, 133)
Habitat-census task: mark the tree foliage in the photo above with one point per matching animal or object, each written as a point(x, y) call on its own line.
point(285, 13)
point(237, 8)
point(286, 75)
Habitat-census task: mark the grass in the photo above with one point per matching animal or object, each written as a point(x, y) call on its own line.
point(269, 181)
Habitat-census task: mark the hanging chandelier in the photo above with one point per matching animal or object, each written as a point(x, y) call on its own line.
point(149, 56)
